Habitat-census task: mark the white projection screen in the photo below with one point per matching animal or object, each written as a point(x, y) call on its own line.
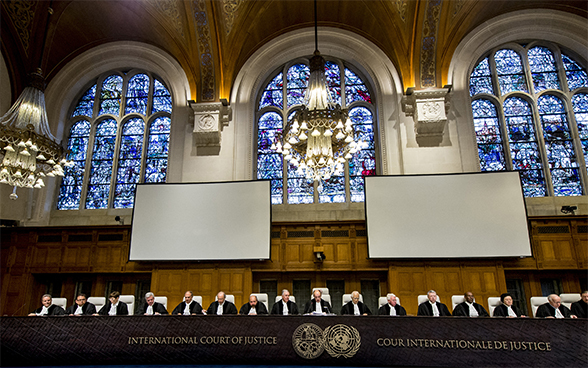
point(204, 221)
point(446, 216)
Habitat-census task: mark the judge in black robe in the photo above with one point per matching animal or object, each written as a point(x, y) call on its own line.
point(291, 307)
point(502, 309)
point(228, 307)
point(253, 304)
point(392, 303)
point(548, 310)
point(157, 308)
point(426, 309)
point(52, 309)
point(325, 306)
point(194, 308)
point(113, 299)
point(463, 309)
point(349, 308)
point(580, 308)
point(88, 308)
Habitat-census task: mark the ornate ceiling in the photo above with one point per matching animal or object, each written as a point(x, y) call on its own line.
point(212, 39)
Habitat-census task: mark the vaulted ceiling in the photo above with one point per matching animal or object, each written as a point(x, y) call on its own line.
point(212, 39)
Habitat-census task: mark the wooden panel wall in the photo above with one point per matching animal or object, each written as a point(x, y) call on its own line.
point(28, 255)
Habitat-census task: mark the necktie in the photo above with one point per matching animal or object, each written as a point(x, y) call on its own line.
point(44, 311)
point(219, 309)
point(150, 310)
point(252, 311)
point(435, 309)
point(473, 311)
point(511, 313)
point(318, 307)
point(284, 308)
point(187, 309)
point(112, 311)
point(392, 311)
point(356, 310)
point(558, 313)
point(79, 310)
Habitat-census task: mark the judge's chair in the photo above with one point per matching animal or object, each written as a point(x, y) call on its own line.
point(423, 298)
point(455, 300)
point(198, 298)
point(129, 300)
point(567, 299)
point(347, 298)
point(384, 300)
point(279, 297)
point(62, 302)
point(228, 297)
point(98, 302)
point(536, 301)
point(162, 300)
point(263, 298)
point(493, 302)
point(325, 291)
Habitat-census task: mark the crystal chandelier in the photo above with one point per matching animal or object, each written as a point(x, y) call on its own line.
point(320, 137)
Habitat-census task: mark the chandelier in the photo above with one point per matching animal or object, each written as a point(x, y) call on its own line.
point(28, 151)
point(320, 137)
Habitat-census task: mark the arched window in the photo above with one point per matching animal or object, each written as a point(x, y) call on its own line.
point(120, 143)
point(279, 100)
point(530, 110)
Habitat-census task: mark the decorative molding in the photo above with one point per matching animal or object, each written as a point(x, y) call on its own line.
point(172, 12)
point(401, 7)
point(457, 6)
point(428, 75)
point(21, 14)
point(204, 50)
point(209, 120)
point(429, 110)
point(229, 11)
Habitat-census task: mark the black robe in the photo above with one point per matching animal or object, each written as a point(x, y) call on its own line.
point(228, 308)
point(157, 308)
point(278, 308)
point(502, 311)
point(425, 309)
point(385, 310)
point(53, 310)
point(121, 309)
point(195, 308)
point(546, 310)
point(310, 306)
point(580, 309)
point(463, 310)
point(259, 308)
point(88, 309)
point(348, 309)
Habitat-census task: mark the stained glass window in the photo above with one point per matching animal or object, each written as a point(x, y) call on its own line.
point(533, 132)
point(85, 105)
point(70, 192)
point(110, 95)
point(117, 164)
point(138, 94)
point(288, 185)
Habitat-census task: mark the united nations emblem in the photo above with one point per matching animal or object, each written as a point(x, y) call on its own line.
point(342, 341)
point(308, 341)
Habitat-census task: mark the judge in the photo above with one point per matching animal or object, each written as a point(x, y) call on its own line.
point(253, 308)
point(81, 307)
point(222, 305)
point(285, 307)
point(189, 306)
point(48, 308)
point(580, 308)
point(355, 307)
point(432, 307)
point(114, 307)
point(317, 304)
point(392, 308)
point(469, 308)
point(553, 309)
point(151, 307)
point(507, 309)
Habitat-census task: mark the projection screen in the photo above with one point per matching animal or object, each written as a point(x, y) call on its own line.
point(204, 221)
point(446, 216)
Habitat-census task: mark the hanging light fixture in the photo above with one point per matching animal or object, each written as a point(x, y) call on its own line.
point(320, 137)
point(28, 150)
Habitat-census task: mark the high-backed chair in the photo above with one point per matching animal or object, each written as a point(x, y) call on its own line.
point(325, 291)
point(347, 298)
point(279, 297)
point(162, 300)
point(536, 301)
point(129, 300)
point(424, 298)
point(568, 298)
point(263, 298)
point(198, 298)
point(456, 299)
point(493, 302)
point(384, 300)
point(229, 297)
point(98, 302)
point(62, 302)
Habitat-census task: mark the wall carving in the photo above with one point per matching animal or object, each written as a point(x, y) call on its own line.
point(229, 12)
point(428, 43)
point(204, 50)
point(401, 7)
point(21, 14)
point(171, 11)
point(457, 6)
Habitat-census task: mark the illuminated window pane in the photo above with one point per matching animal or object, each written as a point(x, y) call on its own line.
point(481, 79)
point(157, 150)
point(129, 163)
point(273, 94)
point(576, 76)
point(162, 101)
point(333, 79)
point(72, 183)
point(490, 149)
point(355, 89)
point(509, 68)
point(110, 95)
point(85, 106)
point(101, 166)
point(297, 80)
point(580, 105)
point(543, 69)
point(138, 94)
